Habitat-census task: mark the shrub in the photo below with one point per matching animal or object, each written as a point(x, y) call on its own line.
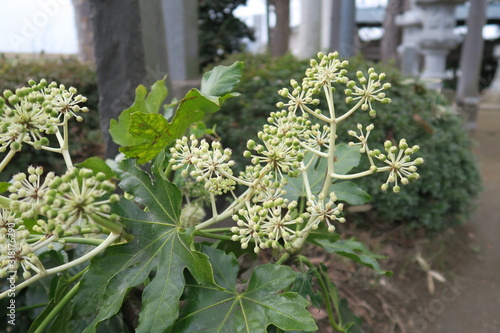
point(15, 72)
point(452, 179)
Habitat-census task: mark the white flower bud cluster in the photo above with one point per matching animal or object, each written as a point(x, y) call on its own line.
point(266, 225)
point(371, 90)
point(402, 167)
point(210, 164)
point(15, 252)
point(291, 144)
point(30, 114)
point(325, 210)
point(76, 200)
point(328, 70)
point(28, 191)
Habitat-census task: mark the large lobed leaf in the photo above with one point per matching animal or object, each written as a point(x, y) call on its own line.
point(160, 245)
point(346, 158)
point(355, 251)
point(250, 310)
point(143, 132)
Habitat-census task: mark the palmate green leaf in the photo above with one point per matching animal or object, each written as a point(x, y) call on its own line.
point(221, 81)
point(355, 251)
point(346, 158)
point(304, 285)
point(350, 193)
point(153, 132)
point(250, 310)
point(160, 244)
point(145, 103)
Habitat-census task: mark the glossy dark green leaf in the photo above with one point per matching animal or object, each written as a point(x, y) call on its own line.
point(305, 286)
point(241, 308)
point(160, 244)
point(97, 164)
point(355, 251)
point(350, 193)
point(346, 158)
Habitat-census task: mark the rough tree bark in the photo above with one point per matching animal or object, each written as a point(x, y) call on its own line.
point(467, 96)
point(280, 35)
point(84, 31)
point(119, 58)
point(392, 33)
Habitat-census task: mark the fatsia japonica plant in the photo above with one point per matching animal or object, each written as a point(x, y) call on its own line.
point(167, 235)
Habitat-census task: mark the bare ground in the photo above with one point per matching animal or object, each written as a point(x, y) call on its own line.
point(456, 288)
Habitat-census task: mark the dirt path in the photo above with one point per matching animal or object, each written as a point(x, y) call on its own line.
point(470, 301)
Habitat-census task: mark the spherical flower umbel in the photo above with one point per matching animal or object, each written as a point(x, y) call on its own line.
point(80, 198)
point(28, 190)
point(328, 70)
point(325, 210)
point(371, 90)
point(399, 160)
point(208, 163)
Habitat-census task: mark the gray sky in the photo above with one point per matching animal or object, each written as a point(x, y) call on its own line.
point(48, 25)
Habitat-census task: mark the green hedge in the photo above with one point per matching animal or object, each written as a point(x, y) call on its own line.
point(86, 137)
point(450, 179)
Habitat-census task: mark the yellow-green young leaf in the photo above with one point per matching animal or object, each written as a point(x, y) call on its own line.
point(355, 251)
point(160, 244)
point(240, 308)
point(151, 132)
point(145, 103)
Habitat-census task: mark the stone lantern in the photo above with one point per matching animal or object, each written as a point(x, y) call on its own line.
point(411, 23)
point(437, 37)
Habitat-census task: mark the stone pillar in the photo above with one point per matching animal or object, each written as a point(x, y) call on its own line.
point(154, 41)
point(326, 24)
point(181, 32)
point(347, 29)
point(409, 54)
point(437, 38)
point(310, 29)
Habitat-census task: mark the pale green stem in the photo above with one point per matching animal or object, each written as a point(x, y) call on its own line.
point(331, 144)
point(52, 149)
point(317, 115)
point(107, 242)
point(80, 240)
point(245, 197)
point(11, 153)
point(63, 142)
point(236, 179)
point(348, 113)
point(7, 159)
point(4, 202)
point(214, 207)
point(314, 151)
point(307, 186)
point(359, 174)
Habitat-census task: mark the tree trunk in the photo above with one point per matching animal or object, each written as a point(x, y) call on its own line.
point(470, 63)
point(392, 33)
point(281, 32)
point(119, 58)
point(84, 31)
